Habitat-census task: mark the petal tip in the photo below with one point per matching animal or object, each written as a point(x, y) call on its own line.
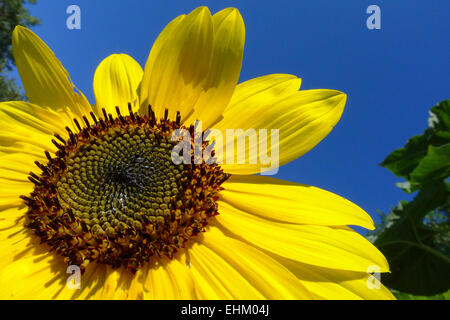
point(20, 28)
point(343, 99)
point(231, 11)
point(18, 32)
point(370, 226)
point(203, 10)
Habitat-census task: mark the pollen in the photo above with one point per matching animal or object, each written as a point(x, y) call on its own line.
point(112, 194)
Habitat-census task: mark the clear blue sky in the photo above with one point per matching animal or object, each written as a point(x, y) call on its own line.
point(392, 76)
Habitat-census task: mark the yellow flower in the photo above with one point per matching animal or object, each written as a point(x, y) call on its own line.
point(106, 198)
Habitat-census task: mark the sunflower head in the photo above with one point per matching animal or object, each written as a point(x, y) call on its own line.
point(109, 198)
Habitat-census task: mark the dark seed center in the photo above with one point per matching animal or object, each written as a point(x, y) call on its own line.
point(121, 179)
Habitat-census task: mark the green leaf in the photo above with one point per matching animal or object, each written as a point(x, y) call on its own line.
point(439, 119)
point(407, 296)
point(434, 166)
point(403, 161)
point(419, 264)
point(415, 236)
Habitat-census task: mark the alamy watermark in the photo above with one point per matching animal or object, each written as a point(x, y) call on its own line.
point(374, 20)
point(234, 146)
point(73, 21)
point(373, 282)
point(74, 280)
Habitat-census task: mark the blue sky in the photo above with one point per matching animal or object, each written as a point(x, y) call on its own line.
point(392, 76)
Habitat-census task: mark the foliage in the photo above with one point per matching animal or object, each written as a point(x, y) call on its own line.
point(12, 13)
point(415, 236)
point(407, 296)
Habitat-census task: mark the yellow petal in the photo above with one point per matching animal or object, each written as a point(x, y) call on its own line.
point(223, 75)
point(135, 290)
point(28, 270)
point(25, 146)
point(181, 278)
point(290, 202)
point(214, 278)
point(91, 284)
point(26, 132)
point(14, 188)
point(331, 284)
point(31, 278)
point(44, 79)
point(178, 63)
point(114, 284)
point(39, 119)
point(21, 129)
point(16, 166)
point(248, 94)
point(14, 171)
point(169, 280)
point(11, 218)
point(337, 248)
point(263, 272)
point(116, 82)
point(111, 288)
point(302, 119)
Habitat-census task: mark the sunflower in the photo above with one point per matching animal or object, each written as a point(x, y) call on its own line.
point(93, 185)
